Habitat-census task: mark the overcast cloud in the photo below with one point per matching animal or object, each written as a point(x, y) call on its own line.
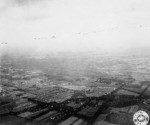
point(75, 25)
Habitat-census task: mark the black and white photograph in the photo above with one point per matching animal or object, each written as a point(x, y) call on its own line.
point(74, 62)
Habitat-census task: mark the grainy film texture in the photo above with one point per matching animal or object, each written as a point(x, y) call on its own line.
point(74, 62)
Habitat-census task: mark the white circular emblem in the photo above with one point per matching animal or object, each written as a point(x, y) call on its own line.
point(140, 118)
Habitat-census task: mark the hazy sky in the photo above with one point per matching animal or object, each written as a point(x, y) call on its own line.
point(75, 25)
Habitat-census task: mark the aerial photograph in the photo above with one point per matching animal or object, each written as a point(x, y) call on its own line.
point(74, 62)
